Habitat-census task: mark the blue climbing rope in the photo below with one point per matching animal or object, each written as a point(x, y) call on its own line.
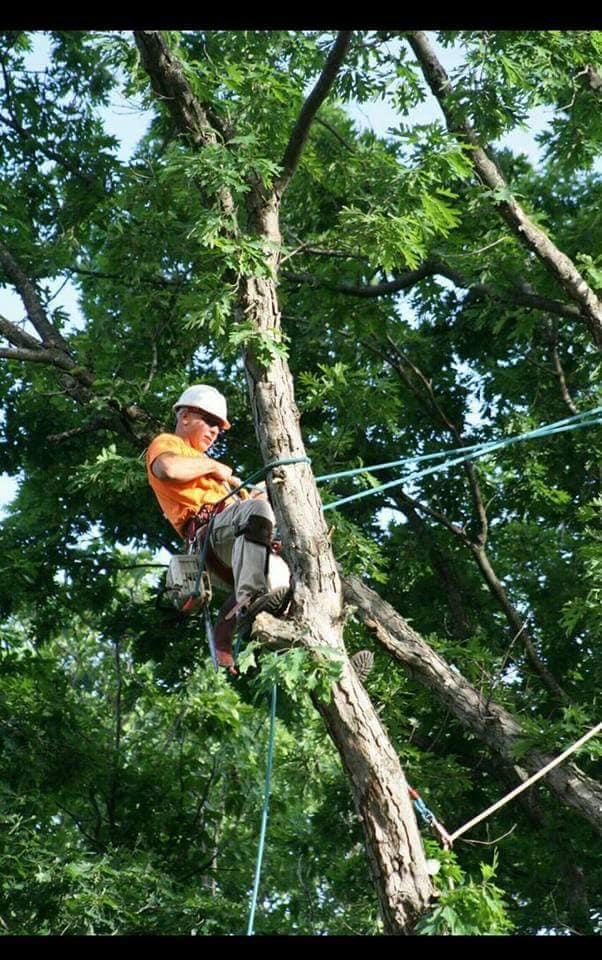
point(448, 458)
point(590, 417)
point(459, 455)
point(264, 812)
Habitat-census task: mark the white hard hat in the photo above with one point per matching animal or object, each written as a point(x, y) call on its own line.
point(206, 398)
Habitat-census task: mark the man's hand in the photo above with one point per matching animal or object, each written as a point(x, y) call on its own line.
point(258, 492)
point(255, 493)
point(221, 472)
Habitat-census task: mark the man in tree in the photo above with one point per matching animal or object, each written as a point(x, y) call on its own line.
point(192, 488)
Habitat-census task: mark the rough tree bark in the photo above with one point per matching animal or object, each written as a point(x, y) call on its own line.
point(377, 783)
point(559, 265)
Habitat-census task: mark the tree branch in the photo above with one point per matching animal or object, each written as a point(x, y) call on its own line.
point(31, 301)
point(309, 109)
point(169, 83)
point(48, 152)
point(28, 356)
point(478, 543)
point(559, 371)
point(492, 724)
point(17, 336)
point(161, 282)
point(498, 592)
point(405, 281)
point(516, 622)
point(401, 498)
point(562, 380)
point(335, 133)
point(456, 432)
point(90, 427)
point(432, 267)
point(439, 562)
point(559, 265)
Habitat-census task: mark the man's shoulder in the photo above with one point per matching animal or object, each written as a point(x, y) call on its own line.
point(168, 443)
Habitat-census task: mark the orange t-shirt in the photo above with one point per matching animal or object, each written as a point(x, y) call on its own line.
point(180, 499)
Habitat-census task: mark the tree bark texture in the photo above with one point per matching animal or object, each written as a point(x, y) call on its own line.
point(487, 721)
point(382, 802)
point(378, 787)
point(559, 265)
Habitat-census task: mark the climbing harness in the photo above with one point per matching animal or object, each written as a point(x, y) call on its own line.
point(188, 581)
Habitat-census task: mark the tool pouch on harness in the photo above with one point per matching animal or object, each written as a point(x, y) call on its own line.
point(181, 583)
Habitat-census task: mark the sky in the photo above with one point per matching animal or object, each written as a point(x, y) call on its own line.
point(128, 122)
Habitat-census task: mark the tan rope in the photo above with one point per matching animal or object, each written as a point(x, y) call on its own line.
point(523, 786)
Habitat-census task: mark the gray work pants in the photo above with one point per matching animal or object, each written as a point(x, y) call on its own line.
point(246, 559)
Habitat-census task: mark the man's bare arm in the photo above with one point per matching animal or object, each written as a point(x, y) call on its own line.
point(171, 466)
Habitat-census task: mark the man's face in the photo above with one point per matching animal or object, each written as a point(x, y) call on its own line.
point(199, 428)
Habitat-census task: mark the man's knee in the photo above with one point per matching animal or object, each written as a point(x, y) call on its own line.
point(259, 524)
point(257, 529)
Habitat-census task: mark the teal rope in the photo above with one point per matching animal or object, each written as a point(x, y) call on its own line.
point(262, 472)
point(264, 812)
point(591, 416)
point(457, 455)
point(587, 419)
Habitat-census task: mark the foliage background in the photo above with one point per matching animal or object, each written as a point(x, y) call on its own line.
point(131, 775)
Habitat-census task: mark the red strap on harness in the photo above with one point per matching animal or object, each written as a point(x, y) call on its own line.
point(196, 528)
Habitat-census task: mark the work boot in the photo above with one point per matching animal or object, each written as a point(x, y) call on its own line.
point(274, 602)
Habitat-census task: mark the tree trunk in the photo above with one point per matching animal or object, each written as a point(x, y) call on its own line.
point(381, 799)
point(379, 791)
point(378, 787)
